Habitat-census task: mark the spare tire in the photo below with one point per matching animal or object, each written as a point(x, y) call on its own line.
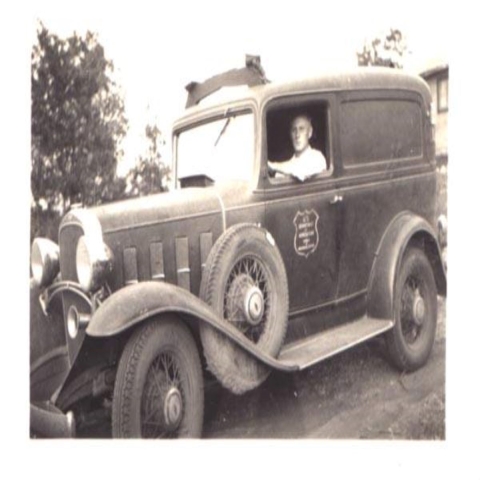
point(245, 282)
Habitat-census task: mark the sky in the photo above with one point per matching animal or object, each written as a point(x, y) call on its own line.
point(159, 47)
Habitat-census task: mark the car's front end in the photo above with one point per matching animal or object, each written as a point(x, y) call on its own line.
point(68, 284)
point(163, 239)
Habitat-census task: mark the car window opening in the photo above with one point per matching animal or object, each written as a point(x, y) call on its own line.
point(281, 122)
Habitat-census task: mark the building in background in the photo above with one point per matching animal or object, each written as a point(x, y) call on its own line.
point(437, 79)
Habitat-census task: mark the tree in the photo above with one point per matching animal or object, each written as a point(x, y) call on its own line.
point(78, 122)
point(386, 50)
point(149, 174)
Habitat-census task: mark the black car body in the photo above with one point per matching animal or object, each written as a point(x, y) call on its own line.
point(238, 271)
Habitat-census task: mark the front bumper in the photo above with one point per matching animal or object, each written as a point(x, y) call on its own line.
point(47, 421)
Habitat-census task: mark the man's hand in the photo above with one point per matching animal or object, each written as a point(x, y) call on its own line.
point(299, 176)
point(280, 169)
point(271, 171)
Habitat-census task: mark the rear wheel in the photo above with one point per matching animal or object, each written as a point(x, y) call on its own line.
point(410, 341)
point(159, 385)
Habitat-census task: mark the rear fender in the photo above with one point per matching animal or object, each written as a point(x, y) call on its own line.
point(134, 304)
point(404, 230)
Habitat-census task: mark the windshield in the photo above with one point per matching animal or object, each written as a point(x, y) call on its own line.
point(221, 149)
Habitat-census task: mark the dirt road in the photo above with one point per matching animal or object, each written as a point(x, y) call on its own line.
point(357, 394)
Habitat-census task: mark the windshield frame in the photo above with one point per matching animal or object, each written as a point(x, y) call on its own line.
point(215, 114)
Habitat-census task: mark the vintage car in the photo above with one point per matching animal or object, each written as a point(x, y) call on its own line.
point(238, 270)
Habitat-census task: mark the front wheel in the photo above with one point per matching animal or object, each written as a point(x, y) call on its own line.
point(159, 385)
point(410, 341)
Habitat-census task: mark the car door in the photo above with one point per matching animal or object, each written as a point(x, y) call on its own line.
point(303, 217)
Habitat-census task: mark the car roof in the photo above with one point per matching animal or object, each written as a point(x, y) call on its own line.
point(361, 78)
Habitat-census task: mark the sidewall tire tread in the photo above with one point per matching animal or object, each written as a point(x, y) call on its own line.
point(145, 344)
point(402, 355)
point(237, 370)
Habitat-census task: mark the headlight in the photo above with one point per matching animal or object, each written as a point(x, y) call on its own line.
point(75, 321)
point(45, 263)
point(94, 262)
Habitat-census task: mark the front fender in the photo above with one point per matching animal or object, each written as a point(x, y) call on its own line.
point(403, 229)
point(137, 303)
point(49, 361)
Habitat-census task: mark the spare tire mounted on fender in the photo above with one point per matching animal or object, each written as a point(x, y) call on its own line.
point(244, 281)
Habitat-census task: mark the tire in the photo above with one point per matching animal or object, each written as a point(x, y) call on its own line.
point(410, 341)
point(159, 378)
point(244, 281)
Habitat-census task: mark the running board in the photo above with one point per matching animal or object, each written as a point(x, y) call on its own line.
point(306, 352)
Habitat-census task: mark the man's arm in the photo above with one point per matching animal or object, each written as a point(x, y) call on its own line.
point(276, 167)
point(280, 167)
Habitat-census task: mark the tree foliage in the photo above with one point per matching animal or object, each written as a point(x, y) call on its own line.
point(150, 173)
point(77, 124)
point(385, 50)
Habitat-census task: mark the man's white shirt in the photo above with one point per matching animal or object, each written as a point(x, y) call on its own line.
point(310, 162)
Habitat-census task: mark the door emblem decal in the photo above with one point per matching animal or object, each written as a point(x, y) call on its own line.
point(306, 232)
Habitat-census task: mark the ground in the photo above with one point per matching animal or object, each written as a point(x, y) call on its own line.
point(356, 394)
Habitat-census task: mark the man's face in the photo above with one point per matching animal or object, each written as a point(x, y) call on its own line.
point(300, 132)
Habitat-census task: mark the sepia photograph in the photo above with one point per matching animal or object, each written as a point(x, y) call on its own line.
point(238, 233)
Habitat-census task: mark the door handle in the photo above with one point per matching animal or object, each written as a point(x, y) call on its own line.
point(336, 199)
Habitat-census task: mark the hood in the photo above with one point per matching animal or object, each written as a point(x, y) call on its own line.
point(158, 208)
point(169, 206)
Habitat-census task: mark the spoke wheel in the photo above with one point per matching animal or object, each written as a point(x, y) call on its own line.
point(247, 297)
point(159, 386)
point(410, 341)
point(412, 309)
point(245, 282)
point(162, 400)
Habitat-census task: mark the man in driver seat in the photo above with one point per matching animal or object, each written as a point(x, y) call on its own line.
point(306, 161)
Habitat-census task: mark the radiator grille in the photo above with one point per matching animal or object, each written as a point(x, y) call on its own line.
point(68, 239)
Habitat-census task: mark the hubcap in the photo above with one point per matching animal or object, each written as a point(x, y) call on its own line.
point(254, 305)
point(418, 310)
point(173, 408)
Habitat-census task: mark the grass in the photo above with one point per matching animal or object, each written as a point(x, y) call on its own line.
point(422, 422)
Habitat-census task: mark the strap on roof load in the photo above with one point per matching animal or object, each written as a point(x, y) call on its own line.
point(252, 74)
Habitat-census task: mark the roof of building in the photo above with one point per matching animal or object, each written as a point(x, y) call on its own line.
point(434, 71)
